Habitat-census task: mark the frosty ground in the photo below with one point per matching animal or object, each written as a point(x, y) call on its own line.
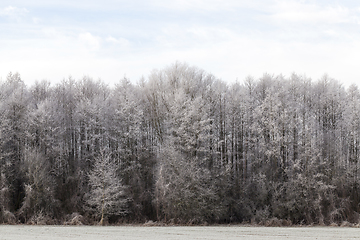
point(138, 232)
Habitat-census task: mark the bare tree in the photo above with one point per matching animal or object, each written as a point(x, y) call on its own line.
point(107, 193)
point(184, 190)
point(39, 187)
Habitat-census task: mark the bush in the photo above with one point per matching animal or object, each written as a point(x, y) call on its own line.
point(41, 219)
point(273, 222)
point(74, 219)
point(9, 217)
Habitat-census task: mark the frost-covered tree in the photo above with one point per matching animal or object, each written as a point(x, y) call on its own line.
point(14, 110)
point(39, 187)
point(184, 190)
point(107, 196)
point(4, 196)
point(130, 143)
point(185, 143)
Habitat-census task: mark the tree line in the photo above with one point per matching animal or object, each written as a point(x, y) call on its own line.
point(181, 146)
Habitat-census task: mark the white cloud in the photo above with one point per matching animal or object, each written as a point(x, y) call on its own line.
point(36, 20)
point(111, 39)
point(234, 56)
point(331, 32)
point(174, 36)
point(90, 41)
point(203, 5)
point(275, 36)
point(122, 42)
point(13, 13)
point(300, 12)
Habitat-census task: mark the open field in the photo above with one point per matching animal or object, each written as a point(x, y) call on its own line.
point(136, 233)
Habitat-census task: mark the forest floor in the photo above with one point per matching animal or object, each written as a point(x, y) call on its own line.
point(12, 232)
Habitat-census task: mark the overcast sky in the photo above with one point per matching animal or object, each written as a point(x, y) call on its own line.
point(231, 39)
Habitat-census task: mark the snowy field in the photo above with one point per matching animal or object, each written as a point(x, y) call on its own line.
point(159, 233)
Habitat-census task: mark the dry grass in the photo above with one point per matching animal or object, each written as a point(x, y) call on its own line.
point(75, 219)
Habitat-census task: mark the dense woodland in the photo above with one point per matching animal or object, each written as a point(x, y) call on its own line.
point(180, 146)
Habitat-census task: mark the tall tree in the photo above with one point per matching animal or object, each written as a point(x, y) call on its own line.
point(184, 190)
point(39, 187)
point(107, 195)
point(14, 96)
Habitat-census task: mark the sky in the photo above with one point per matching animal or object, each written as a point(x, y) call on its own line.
point(231, 39)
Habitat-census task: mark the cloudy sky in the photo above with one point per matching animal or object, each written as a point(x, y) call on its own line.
point(232, 39)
